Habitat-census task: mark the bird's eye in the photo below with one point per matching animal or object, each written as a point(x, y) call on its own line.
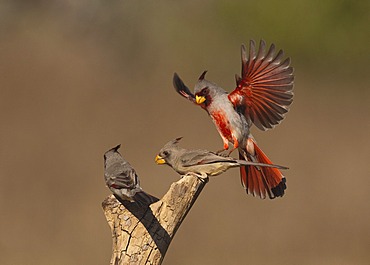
point(204, 91)
point(165, 153)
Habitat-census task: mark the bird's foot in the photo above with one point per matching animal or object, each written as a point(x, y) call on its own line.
point(222, 153)
point(203, 177)
point(229, 153)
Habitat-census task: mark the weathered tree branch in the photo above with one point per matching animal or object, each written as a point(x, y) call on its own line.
point(141, 235)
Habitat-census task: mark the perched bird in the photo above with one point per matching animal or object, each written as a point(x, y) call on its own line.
point(262, 97)
point(122, 180)
point(202, 162)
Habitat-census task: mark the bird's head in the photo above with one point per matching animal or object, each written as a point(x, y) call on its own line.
point(205, 91)
point(111, 156)
point(168, 153)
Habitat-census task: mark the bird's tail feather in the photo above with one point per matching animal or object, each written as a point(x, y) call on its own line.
point(260, 181)
point(250, 163)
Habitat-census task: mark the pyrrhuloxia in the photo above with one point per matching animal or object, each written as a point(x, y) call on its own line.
point(262, 97)
point(122, 179)
point(202, 162)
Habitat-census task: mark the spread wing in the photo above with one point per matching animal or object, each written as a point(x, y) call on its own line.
point(264, 92)
point(182, 89)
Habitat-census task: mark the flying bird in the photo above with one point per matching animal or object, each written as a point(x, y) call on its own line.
point(262, 97)
point(202, 162)
point(122, 180)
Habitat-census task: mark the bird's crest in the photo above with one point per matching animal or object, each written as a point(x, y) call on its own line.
point(201, 77)
point(112, 150)
point(173, 142)
point(116, 148)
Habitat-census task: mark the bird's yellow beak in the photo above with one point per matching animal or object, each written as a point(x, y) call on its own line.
point(159, 160)
point(199, 99)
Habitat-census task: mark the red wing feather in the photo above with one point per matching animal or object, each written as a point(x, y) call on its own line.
point(264, 92)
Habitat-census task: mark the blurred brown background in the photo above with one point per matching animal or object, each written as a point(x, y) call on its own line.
point(78, 77)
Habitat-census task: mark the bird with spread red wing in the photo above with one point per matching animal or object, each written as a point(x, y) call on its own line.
point(122, 180)
point(262, 97)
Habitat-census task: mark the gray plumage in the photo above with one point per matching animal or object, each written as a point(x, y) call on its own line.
point(202, 162)
point(122, 180)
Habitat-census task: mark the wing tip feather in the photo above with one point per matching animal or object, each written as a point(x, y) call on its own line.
point(268, 72)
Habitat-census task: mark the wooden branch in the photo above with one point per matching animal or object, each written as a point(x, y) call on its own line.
point(141, 235)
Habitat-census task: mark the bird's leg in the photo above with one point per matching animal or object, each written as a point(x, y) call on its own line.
point(226, 146)
point(236, 145)
point(187, 174)
point(202, 176)
point(245, 155)
point(220, 152)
